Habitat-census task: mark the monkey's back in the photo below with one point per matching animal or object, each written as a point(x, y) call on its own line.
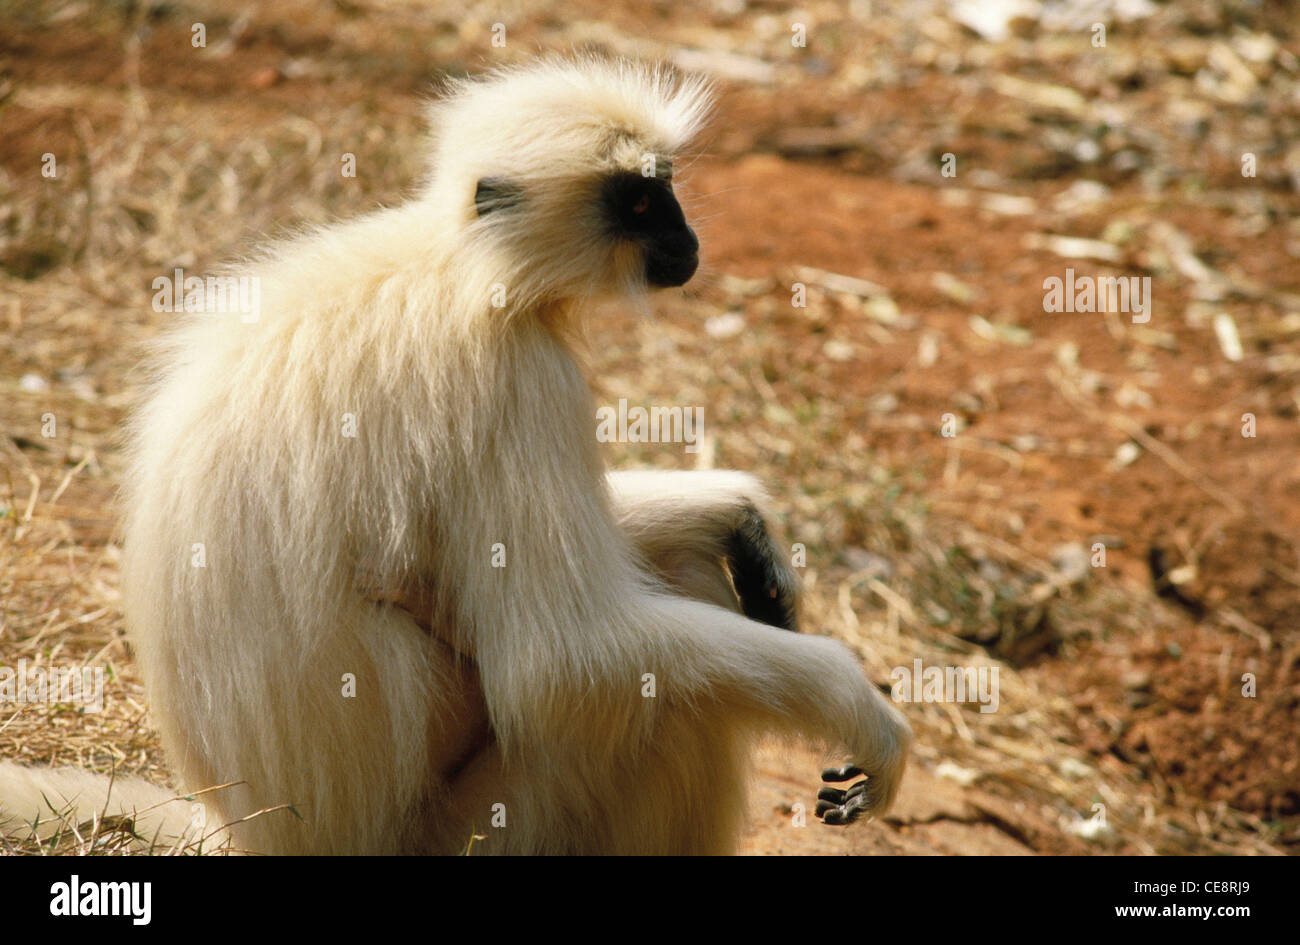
point(261, 481)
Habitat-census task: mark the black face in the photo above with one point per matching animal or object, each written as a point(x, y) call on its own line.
point(643, 209)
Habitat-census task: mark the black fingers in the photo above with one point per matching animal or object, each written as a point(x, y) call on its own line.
point(766, 590)
point(841, 816)
point(838, 797)
point(846, 773)
point(834, 795)
point(837, 808)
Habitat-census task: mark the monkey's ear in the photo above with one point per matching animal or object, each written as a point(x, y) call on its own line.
point(496, 193)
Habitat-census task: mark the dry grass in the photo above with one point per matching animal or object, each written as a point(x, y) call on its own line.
point(950, 594)
point(162, 180)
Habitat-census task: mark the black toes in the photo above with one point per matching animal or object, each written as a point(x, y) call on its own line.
point(765, 589)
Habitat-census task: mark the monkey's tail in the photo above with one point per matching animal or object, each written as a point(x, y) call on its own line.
point(70, 810)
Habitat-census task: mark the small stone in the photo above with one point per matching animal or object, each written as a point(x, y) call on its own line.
point(963, 776)
point(867, 564)
point(952, 287)
point(727, 325)
point(1126, 455)
point(838, 350)
point(885, 402)
point(1071, 561)
point(1074, 769)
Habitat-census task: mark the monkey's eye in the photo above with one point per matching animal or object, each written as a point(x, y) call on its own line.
point(638, 206)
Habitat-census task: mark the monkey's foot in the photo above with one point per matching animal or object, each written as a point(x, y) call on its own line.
point(766, 588)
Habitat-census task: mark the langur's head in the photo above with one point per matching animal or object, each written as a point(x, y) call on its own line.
point(562, 173)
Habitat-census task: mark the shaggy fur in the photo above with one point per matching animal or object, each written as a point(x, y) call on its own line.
point(474, 426)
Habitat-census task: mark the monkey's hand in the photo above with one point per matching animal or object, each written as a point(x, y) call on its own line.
point(838, 807)
point(417, 600)
point(874, 793)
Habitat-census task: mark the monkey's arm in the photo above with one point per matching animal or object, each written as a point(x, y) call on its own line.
point(704, 534)
point(802, 684)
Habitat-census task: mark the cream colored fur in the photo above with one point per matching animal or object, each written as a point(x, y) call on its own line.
point(474, 426)
point(38, 801)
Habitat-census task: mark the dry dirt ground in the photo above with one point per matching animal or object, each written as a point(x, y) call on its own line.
point(1124, 724)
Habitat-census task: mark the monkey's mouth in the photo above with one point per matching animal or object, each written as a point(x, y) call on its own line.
point(664, 271)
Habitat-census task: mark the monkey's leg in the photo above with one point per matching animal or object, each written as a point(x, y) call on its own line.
point(703, 533)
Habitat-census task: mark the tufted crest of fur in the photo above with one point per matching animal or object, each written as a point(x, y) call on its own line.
point(553, 129)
